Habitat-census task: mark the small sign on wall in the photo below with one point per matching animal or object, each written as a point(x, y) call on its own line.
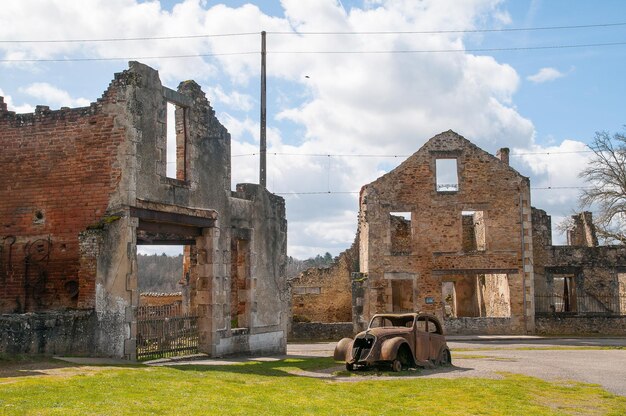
point(429, 300)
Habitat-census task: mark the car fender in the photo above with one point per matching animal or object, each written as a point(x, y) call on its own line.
point(389, 348)
point(343, 350)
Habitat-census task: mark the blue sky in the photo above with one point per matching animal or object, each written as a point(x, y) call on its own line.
point(545, 104)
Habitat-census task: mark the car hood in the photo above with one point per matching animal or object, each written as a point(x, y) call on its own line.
point(381, 332)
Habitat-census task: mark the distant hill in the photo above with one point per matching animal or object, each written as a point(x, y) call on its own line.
point(159, 272)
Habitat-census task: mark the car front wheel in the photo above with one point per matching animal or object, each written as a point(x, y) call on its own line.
point(349, 366)
point(396, 365)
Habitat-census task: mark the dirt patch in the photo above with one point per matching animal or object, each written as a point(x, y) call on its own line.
point(29, 367)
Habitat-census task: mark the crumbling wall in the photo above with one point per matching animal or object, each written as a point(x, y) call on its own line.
point(582, 233)
point(496, 239)
point(59, 173)
point(578, 278)
point(84, 186)
point(324, 294)
point(268, 256)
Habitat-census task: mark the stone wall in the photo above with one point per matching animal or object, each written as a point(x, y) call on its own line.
point(320, 331)
point(592, 272)
point(49, 333)
point(580, 325)
point(324, 294)
point(478, 226)
point(480, 326)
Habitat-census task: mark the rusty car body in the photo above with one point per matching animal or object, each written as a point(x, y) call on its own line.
point(399, 340)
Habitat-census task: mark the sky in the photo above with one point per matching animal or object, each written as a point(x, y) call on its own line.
point(345, 108)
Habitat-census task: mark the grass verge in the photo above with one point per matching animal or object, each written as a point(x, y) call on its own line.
point(271, 388)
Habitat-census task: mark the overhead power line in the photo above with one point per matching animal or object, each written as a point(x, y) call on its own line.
point(539, 188)
point(396, 156)
point(128, 58)
point(142, 38)
point(416, 51)
point(325, 33)
point(344, 52)
point(434, 32)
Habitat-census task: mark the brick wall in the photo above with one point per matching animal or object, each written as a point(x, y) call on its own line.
point(160, 299)
point(495, 240)
point(58, 174)
point(333, 303)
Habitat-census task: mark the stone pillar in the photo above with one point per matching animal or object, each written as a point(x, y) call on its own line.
point(202, 290)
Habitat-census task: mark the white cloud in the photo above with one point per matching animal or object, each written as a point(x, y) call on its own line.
point(545, 75)
point(53, 96)
point(555, 181)
point(24, 108)
point(353, 103)
point(234, 99)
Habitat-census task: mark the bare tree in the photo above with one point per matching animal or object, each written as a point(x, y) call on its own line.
point(606, 177)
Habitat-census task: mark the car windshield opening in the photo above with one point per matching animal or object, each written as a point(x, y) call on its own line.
point(391, 321)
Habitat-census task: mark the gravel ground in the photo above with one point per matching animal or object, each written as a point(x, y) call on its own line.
point(488, 358)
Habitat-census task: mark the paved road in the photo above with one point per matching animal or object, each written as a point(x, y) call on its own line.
point(604, 367)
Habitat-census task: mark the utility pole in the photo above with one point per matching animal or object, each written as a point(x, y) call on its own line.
point(263, 154)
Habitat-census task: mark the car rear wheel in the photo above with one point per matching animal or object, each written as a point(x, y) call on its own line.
point(446, 359)
point(396, 366)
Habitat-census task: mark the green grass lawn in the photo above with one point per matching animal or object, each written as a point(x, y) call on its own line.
point(256, 388)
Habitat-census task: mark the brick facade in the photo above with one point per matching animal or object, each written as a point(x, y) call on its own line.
point(81, 188)
point(472, 232)
point(59, 172)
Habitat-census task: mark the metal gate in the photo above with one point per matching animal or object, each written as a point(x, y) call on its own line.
point(165, 331)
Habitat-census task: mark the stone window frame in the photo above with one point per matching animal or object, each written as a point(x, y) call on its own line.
point(180, 101)
point(443, 187)
point(400, 213)
point(456, 154)
point(483, 212)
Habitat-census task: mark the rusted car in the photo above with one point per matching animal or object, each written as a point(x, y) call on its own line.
point(399, 340)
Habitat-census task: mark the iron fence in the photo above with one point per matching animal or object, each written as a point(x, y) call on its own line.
point(164, 331)
point(608, 304)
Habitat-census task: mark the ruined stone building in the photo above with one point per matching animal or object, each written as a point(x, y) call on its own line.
point(451, 231)
point(82, 188)
point(325, 294)
point(579, 287)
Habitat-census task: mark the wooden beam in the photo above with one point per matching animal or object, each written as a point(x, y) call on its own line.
point(148, 215)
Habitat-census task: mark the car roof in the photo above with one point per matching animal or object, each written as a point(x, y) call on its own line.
point(402, 315)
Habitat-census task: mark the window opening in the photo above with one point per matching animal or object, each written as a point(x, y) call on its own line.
point(564, 294)
point(240, 283)
point(447, 175)
point(176, 138)
point(448, 293)
point(474, 238)
point(621, 293)
point(400, 233)
point(170, 157)
point(476, 296)
point(402, 295)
